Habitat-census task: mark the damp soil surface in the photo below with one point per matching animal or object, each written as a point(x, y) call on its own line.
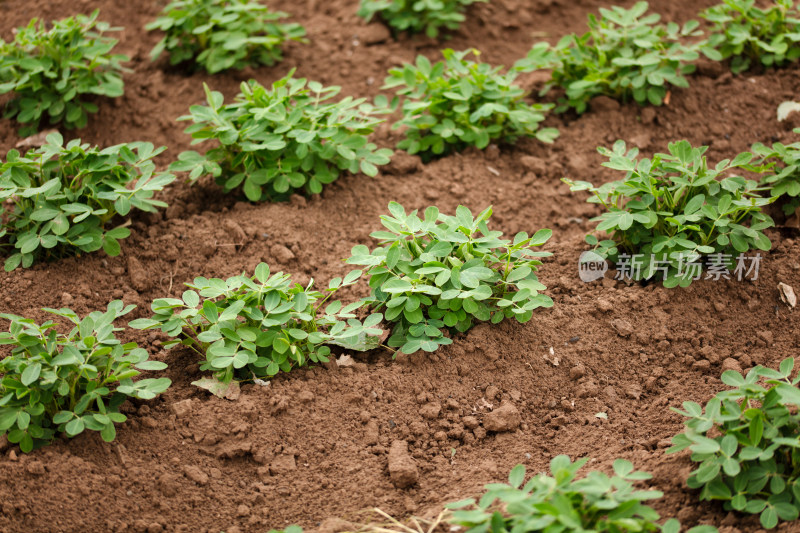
point(313, 448)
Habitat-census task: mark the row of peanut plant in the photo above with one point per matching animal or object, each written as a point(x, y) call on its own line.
point(430, 275)
point(674, 208)
point(746, 439)
point(626, 54)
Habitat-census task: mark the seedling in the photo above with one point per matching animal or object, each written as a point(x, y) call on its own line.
point(445, 272)
point(597, 503)
point(458, 103)
point(747, 441)
point(417, 16)
point(625, 55)
point(783, 178)
point(247, 328)
point(63, 198)
point(52, 72)
point(287, 138)
point(54, 382)
point(673, 209)
point(745, 33)
point(222, 34)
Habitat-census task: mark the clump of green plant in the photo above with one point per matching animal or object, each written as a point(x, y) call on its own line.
point(747, 441)
point(54, 382)
point(63, 198)
point(445, 271)
point(782, 179)
point(222, 34)
point(673, 209)
point(624, 55)
point(275, 141)
point(458, 103)
point(597, 503)
point(51, 72)
point(255, 327)
point(743, 33)
point(417, 16)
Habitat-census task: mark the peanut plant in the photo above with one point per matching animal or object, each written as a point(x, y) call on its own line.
point(440, 272)
point(747, 444)
point(625, 55)
point(70, 382)
point(596, 503)
point(416, 16)
point(272, 142)
point(255, 327)
point(745, 33)
point(221, 34)
point(457, 103)
point(674, 209)
point(61, 199)
point(55, 74)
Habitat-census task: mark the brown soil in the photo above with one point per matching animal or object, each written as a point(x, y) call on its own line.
point(314, 445)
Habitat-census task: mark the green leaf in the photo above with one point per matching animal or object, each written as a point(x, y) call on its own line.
point(31, 373)
point(74, 427)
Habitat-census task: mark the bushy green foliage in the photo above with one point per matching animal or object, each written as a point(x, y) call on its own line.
point(63, 197)
point(559, 502)
point(247, 328)
point(222, 34)
point(624, 55)
point(417, 16)
point(744, 32)
point(782, 179)
point(444, 271)
point(272, 142)
point(457, 103)
point(55, 382)
point(674, 209)
point(51, 72)
point(747, 441)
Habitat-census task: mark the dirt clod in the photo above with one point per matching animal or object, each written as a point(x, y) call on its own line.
point(622, 327)
point(281, 253)
point(604, 305)
point(371, 433)
point(431, 410)
point(374, 33)
point(504, 418)
point(182, 408)
point(137, 274)
point(534, 164)
point(402, 468)
point(35, 468)
point(731, 364)
point(283, 464)
point(195, 474)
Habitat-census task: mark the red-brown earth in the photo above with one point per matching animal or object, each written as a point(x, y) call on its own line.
point(314, 445)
